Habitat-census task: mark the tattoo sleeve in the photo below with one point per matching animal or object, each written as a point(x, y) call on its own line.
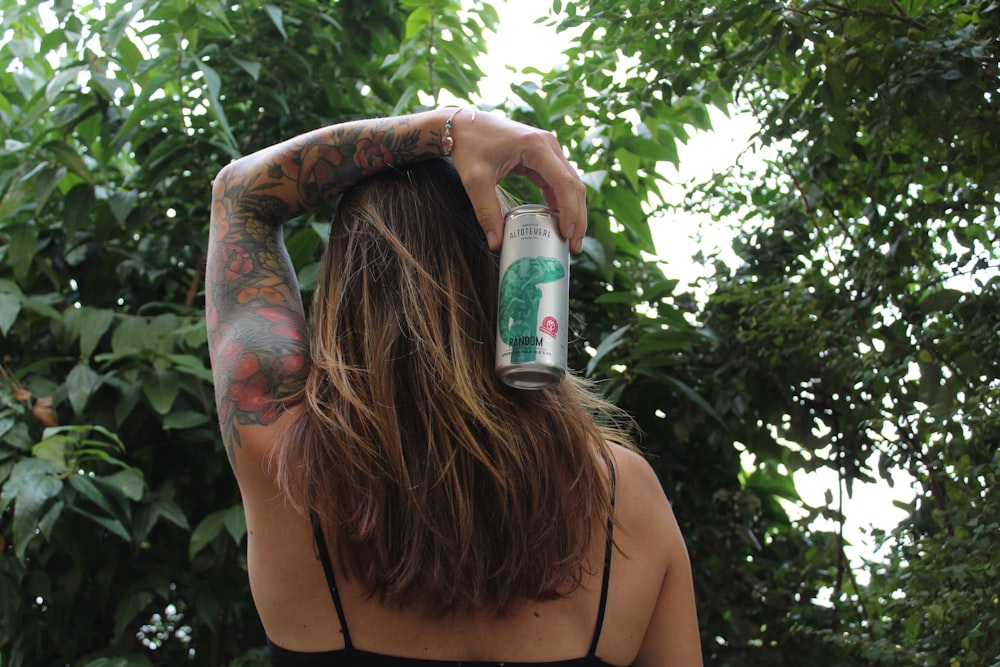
point(256, 323)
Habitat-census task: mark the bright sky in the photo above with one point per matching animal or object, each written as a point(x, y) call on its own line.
point(519, 43)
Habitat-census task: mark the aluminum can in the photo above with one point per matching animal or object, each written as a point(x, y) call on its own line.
point(533, 308)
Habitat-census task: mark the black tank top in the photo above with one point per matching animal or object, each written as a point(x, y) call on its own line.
point(353, 657)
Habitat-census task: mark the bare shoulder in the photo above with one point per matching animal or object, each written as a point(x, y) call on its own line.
point(655, 564)
point(640, 496)
point(644, 512)
point(634, 466)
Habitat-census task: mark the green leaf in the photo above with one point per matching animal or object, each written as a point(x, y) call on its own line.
point(595, 179)
point(913, 625)
point(277, 19)
point(160, 333)
point(630, 165)
point(32, 484)
point(122, 203)
point(129, 55)
point(214, 83)
point(303, 245)
point(53, 450)
point(68, 157)
point(18, 437)
point(17, 195)
point(250, 67)
point(93, 324)
point(160, 388)
point(77, 206)
point(660, 290)
point(683, 388)
point(144, 107)
point(81, 383)
point(694, 396)
point(609, 343)
point(21, 249)
point(44, 182)
point(129, 336)
point(62, 78)
point(86, 487)
point(6, 424)
point(490, 17)
point(769, 482)
point(194, 335)
point(629, 298)
point(668, 340)
point(39, 305)
point(128, 610)
point(943, 300)
point(10, 307)
point(171, 511)
point(130, 396)
point(624, 205)
point(184, 419)
point(206, 531)
point(113, 526)
point(659, 151)
point(130, 482)
point(236, 522)
point(10, 287)
point(308, 276)
point(419, 19)
point(49, 518)
point(191, 365)
point(594, 251)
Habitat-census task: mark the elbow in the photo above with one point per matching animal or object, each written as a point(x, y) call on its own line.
point(226, 190)
point(224, 176)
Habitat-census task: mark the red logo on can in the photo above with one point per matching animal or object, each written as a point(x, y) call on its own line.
point(549, 326)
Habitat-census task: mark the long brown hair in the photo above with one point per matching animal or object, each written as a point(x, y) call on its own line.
point(435, 483)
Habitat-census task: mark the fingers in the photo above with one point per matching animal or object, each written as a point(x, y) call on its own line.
point(569, 197)
point(481, 188)
point(547, 167)
point(495, 147)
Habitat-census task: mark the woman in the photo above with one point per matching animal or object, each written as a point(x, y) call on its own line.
point(403, 507)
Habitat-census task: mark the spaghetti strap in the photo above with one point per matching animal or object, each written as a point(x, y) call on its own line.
point(331, 581)
point(592, 653)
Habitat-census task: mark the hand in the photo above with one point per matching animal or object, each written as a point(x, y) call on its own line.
point(487, 150)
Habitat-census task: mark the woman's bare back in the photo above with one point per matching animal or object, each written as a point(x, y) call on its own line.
point(295, 606)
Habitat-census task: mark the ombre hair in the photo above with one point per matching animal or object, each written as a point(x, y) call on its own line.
point(435, 483)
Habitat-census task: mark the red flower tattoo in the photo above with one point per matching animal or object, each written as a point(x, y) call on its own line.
point(286, 165)
point(372, 155)
point(291, 368)
point(249, 390)
point(237, 261)
point(259, 376)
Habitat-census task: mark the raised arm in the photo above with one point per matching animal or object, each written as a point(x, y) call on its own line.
point(256, 323)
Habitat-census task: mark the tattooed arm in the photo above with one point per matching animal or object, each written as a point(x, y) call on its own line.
point(257, 331)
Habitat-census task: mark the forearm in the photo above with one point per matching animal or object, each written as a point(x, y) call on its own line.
point(301, 174)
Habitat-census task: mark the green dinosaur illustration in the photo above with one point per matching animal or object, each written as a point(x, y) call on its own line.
point(519, 301)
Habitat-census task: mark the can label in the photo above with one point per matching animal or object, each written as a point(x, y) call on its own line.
point(534, 299)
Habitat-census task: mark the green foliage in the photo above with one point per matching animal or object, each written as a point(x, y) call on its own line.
point(858, 330)
point(871, 268)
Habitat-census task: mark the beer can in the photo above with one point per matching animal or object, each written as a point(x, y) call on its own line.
point(533, 309)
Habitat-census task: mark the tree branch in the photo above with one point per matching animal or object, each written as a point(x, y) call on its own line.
point(842, 12)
